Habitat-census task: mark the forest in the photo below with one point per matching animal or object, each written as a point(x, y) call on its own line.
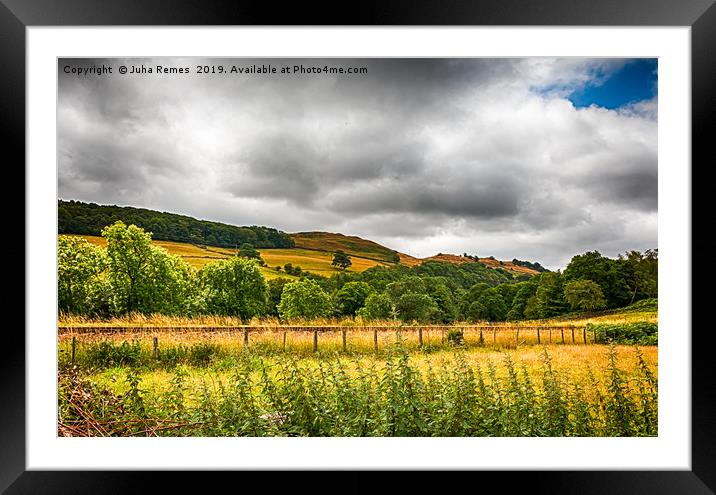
point(76, 217)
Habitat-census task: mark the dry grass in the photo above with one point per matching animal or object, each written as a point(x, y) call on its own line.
point(351, 245)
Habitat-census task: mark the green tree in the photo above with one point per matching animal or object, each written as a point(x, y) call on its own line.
point(585, 295)
point(378, 306)
point(415, 307)
point(612, 275)
point(644, 268)
point(247, 250)
point(234, 287)
point(351, 297)
point(447, 309)
point(303, 299)
point(549, 297)
point(79, 264)
point(275, 288)
point(341, 260)
point(143, 277)
point(489, 306)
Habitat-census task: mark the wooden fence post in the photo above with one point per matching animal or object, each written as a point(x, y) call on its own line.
point(584, 332)
point(538, 337)
point(550, 335)
point(420, 336)
point(315, 341)
point(155, 352)
point(375, 339)
point(344, 339)
point(517, 338)
point(74, 346)
point(482, 341)
point(562, 331)
point(246, 337)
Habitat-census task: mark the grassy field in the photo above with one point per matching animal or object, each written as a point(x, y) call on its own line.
point(553, 390)
point(314, 261)
point(352, 245)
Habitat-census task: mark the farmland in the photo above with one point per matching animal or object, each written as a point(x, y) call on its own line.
point(163, 338)
point(208, 376)
point(314, 261)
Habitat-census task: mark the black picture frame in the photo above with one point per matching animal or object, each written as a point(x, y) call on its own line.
point(700, 15)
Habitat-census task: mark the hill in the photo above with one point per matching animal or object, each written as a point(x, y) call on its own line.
point(76, 217)
point(318, 262)
point(202, 241)
point(352, 245)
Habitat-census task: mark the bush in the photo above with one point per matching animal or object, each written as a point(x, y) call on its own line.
point(639, 333)
point(108, 354)
point(456, 337)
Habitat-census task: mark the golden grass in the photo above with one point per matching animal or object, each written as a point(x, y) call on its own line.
point(572, 363)
point(318, 262)
point(351, 245)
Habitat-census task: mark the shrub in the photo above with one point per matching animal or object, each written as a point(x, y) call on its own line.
point(456, 337)
point(640, 333)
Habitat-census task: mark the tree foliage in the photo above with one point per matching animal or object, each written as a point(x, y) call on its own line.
point(143, 277)
point(303, 299)
point(342, 260)
point(234, 287)
point(584, 295)
point(79, 265)
point(76, 217)
point(351, 297)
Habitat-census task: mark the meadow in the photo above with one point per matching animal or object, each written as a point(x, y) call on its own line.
point(167, 380)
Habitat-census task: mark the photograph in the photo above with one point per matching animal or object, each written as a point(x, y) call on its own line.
point(357, 247)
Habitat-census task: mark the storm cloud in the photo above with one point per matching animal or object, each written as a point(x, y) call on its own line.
point(483, 156)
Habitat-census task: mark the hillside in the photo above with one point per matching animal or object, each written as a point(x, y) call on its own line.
point(318, 262)
point(200, 242)
point(352, 245)
point(76, 217)
point(489, 262)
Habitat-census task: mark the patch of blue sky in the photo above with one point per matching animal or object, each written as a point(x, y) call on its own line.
point(634, 81)
point(631, 82)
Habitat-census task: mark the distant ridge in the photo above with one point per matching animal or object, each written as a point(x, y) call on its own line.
point(76, 217)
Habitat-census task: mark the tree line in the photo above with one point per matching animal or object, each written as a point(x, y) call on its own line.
point(76, 217)
point(132, 275)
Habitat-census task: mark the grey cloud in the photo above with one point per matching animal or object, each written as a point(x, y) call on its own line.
point(418, 153)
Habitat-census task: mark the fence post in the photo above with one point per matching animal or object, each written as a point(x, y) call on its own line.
point(375, 339)
point(156, 348)
point(315, 341)
point(538, 337)
point(420, 336)
point(284, 341)
point(74, 346)
point(482, 341)
point(584, 332)
point(550, 335)
point(573, 342)
point(562, 331)
point(344, 339)
point(246, 337)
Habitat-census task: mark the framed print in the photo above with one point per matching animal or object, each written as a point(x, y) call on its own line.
point(418, 238)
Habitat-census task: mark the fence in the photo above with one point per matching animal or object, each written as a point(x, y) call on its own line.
point(335, 337)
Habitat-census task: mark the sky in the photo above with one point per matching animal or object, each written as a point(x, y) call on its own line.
point(538, 159)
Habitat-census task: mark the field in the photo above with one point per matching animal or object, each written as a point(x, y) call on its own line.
point(211, 377)
point(315, 261)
